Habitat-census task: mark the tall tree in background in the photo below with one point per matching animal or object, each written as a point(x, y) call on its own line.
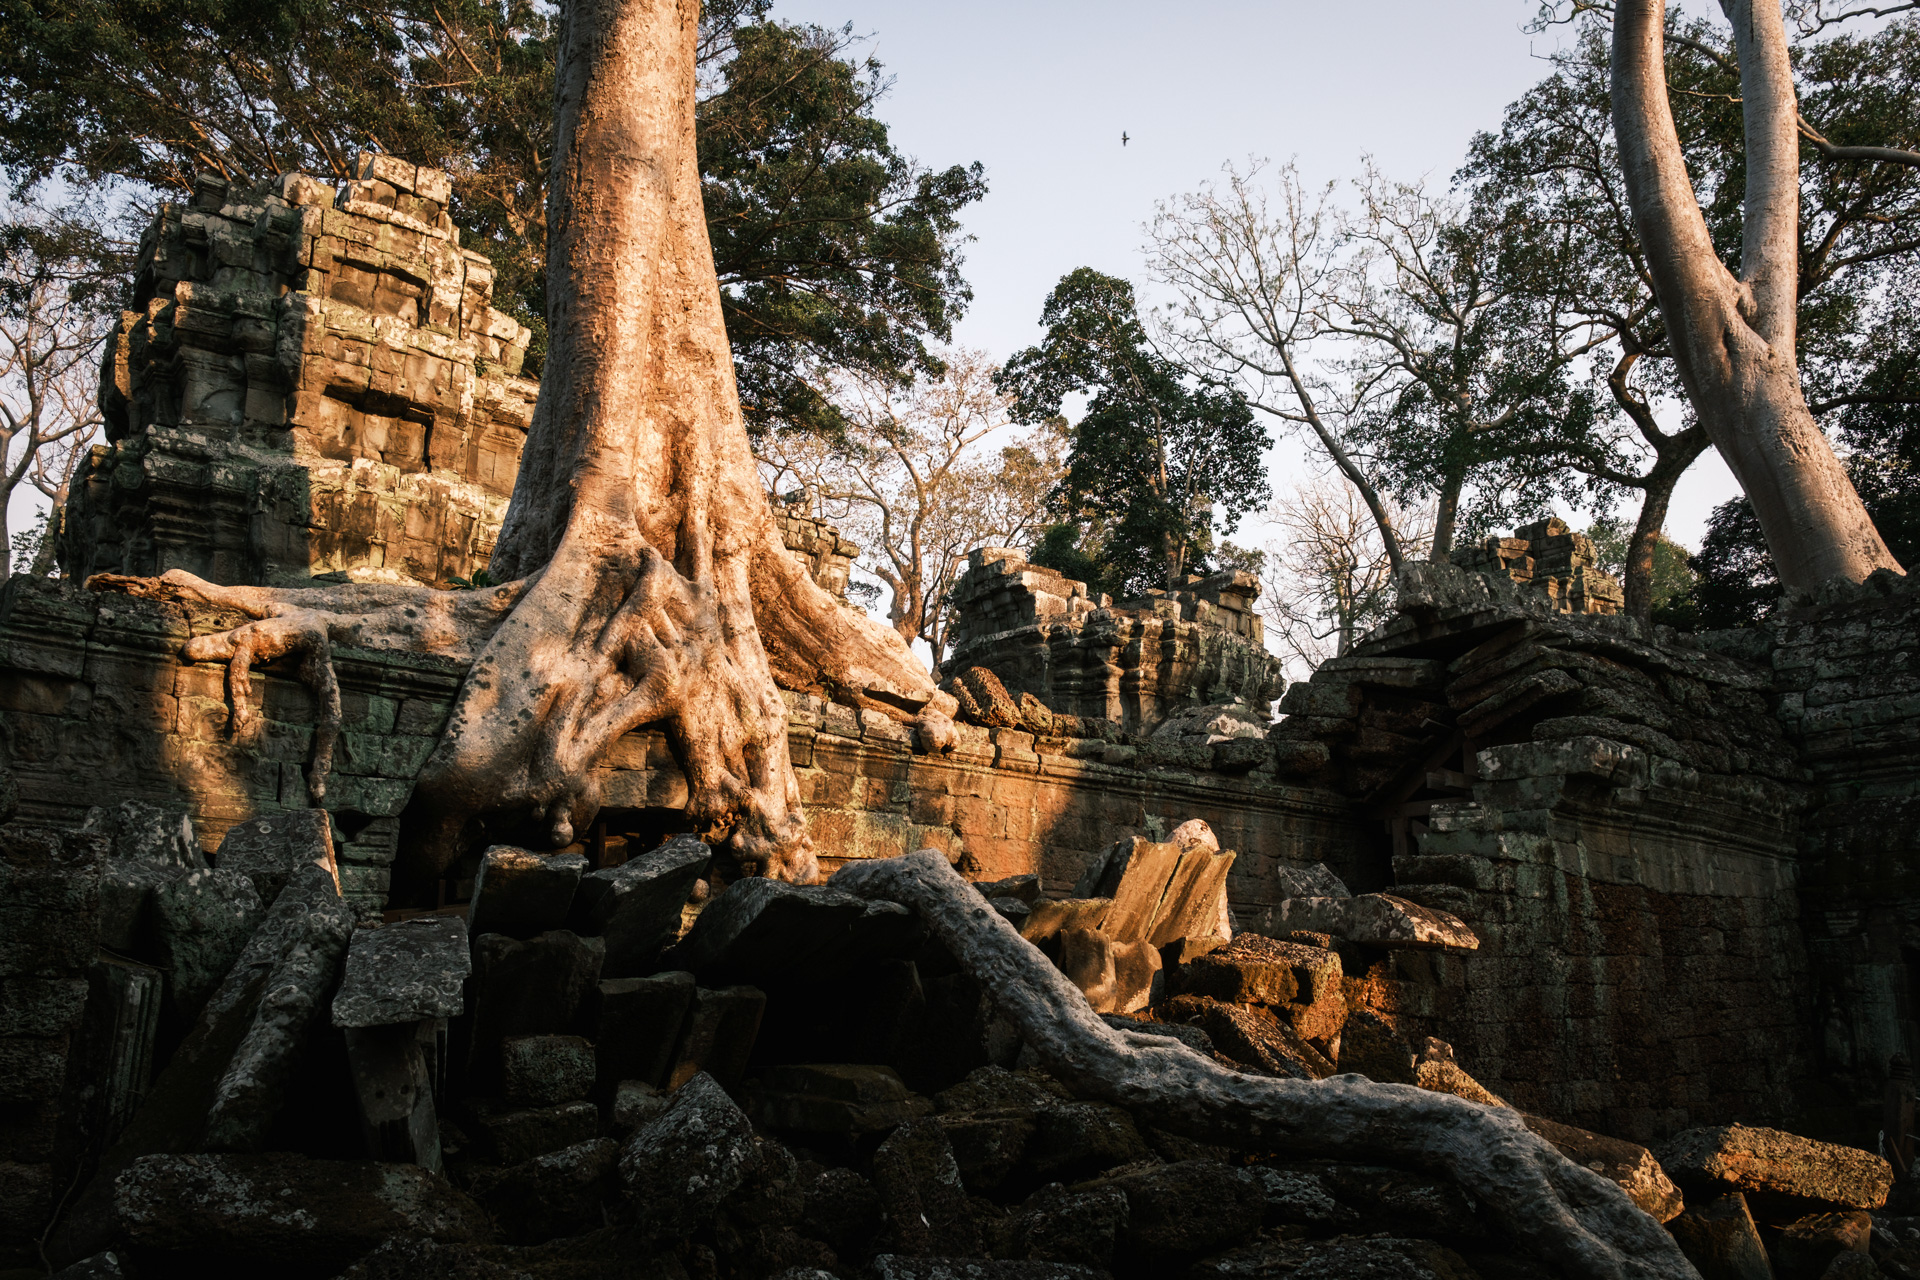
point(1157, 456)
point(833, 249)
point(917, 482)
point(1735, 336)
point(1327, 579)
point(60, 282)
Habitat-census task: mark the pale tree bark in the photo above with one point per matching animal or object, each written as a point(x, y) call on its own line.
point(1733, 338)
point(649, 584)
point(1557, 1210)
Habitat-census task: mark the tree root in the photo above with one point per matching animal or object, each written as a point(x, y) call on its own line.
point(1565, 1214)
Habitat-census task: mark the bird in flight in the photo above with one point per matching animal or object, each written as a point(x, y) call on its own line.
point(1123, 137)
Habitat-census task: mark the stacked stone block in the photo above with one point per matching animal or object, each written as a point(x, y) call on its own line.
point(310, 382)
point(1550, 559)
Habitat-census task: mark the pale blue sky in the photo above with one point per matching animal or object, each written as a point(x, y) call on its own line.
point(1040, 92)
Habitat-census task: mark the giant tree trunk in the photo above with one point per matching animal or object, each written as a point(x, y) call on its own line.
point(1733, 339)
point(650, 585)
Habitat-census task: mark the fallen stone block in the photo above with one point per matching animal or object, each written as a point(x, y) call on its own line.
point(1178, 1212)
point(1434, 1068)
point(201, 922)
point(842, 1098)
point(404, 972)
point(1739, 1158)
point(634, 1103)
point(1058, 1225)
point(1378, 920)
point(1374, 1048)
point(922, 1193)
point(1136, 969)
point(544, 1071)
point(1302, 982)
point(1075, 1140)
point(514, 1135)
point(761, 928)
point(1401, 1201)
point(283, 1209)
point(269, 848)
point(1192, 904)
point(1251, 1036)
point(126, 903)
point(1025, 888)
point(1134, 873)
point(841, 1208)
point(1086, 958)
point(393, 1081)
point(122, 1021)
point(1050, 918)
point(1805, 1248)
point(884, 931)
point(1308, 880)
point(987, 1145)
point(1350, 1258)
point(1718, 1237)
point(1627, 1163)
point(561, 1193)
point(636, 906)
point(681, 1165)
point(1299, 1198)
point(719, 1035)
point(539, 986)
point(519, 893)
point(639, 1028)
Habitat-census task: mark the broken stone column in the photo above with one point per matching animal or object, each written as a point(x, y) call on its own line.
point(403, 981)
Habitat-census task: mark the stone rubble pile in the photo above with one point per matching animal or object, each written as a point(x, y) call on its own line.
point(633, 1071)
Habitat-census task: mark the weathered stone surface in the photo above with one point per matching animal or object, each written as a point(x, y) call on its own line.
point(521, 893)
point(515, 1135)
point(1302, 981)
point(1073, 1140)
point(887, 1266)
point(286, 1209)
point(639, 1027)
point(1805, 1248)
point(1627, 1163)
point(1025, 888)
point(634, 1103)
point(766, 928)
point(393, 1085)
point(1177, 1212)
point(101, 1266)
point(1050, 918)
point(719, 1035)
point(841, 1208)
point(636, 905)
point(835, 1098)
point(404, 972)
point(1374, 1047)
point(560, 1193)
point(922, 1194)
point(1308, 880)
point(524, 988)
point(1058, 1225)
point(1719, 1238)
point(1086, 956)
point(1346, 1258)
point(1299, 1198)
point(1379, 920)
point(141, 831)
point(1740, 1158)
point(267, 849)
point(1250, 1035)
point(682, 1164)
point(201, 923)
point(543, 1071)
point(1434, 1068)
point(1136, 970)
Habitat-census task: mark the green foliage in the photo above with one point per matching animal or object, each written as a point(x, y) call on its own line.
point(1673, 577)
point(1736, 585)
point(1059, 550)
point(832, 248)
point(1155, 457)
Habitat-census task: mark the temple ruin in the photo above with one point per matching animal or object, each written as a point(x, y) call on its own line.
point(1649, 893)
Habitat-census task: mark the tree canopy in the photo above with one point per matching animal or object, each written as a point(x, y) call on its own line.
point(1157, 456)
point(833, 249)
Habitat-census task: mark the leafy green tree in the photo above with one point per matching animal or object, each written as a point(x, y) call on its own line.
point(1155, 458)
point(833, 249)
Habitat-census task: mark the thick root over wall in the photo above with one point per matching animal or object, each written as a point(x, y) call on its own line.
point(1563, 1213)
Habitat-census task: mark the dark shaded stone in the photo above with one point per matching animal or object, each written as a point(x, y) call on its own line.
point(841, 1208)
point(1058, 1225)
point(404, 972)
point(521, 893)
point(719, 1035)
point(1024, 889)
point(101, 1266)
point(636, 905)
point(544, 1071)
point(201, 921)
point(1398, 1200)
point(1073, 1140)
point(766, 929)
point(283, 1209)
point(1346, 1258)
point(1719, 1239)
point(393, 1085)
point(987, 1145)
point(270, 847)
point(1804, 1248)
point(514, 1136)
point(1177, 1212)
point(1251, 1036)
point(1370, 1046)
point(893, 1267)
point(921, 1192)
point(841, 1098)
point(678, 1167)
point(639, 1025)
point(634, 1103)
point(539, 986)
point(561, 1193)
point(142, 831)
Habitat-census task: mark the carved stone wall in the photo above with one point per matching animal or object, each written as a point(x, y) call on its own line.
point(1137, 664)
point(309, 383)
point(1552, 560)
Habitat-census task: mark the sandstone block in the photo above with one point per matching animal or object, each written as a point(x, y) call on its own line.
point(760, 927)
point(1250, 1035)
point(1308, 880)
point(146, 832)
point(1257, 970)
point(720, 1031)
point(286, 1210)
point(836, 1098)
point(523, 988)
point(1719, 1238)
point(1052, 917)
point(639, 1025)
point(1739, 1158)
point(404, 972)
point(922, 1194)
point(1627, 1163)
point(201, 922)
point(514, 1135)
point(1805, 1248)
point(681, 1165)
point(636, 905)
point(268, 849)
point(635, 1102)
point(521, 893)
point(1373, 1047)
point(544, 1071)
point(1380, 920)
